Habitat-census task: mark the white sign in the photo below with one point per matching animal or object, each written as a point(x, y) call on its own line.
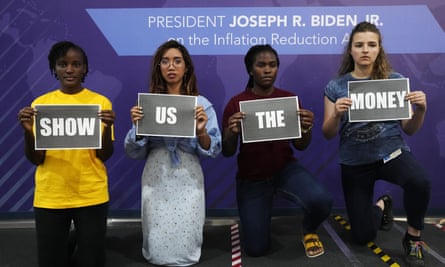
point(379, 100)
point(167, 115)
point(67, 127)
point(270, 119)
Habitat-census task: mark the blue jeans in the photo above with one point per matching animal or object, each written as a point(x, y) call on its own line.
point(358, 188)
point(53, 228)
point(255, 204)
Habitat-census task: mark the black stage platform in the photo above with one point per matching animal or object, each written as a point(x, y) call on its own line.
point(17, 244)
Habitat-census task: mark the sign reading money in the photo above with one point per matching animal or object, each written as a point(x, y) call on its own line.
point(67, 127)
point(270, 119)
point(379, 100)
point(167, 115)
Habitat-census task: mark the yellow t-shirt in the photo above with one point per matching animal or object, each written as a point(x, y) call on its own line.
point(71, 178)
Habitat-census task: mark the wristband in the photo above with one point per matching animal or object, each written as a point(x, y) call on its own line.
point(306, 130)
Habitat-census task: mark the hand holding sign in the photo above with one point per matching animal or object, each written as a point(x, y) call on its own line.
point(306, 119)
point(166, 115)
point(136, 113)
point(26, 118)
point(235, 122)
point(107, 117)
point(201, 130)
point(342, 105)
point(379, 100)
point(272, 119)
point(201, 120)
point(418, 99)
point(68, 127)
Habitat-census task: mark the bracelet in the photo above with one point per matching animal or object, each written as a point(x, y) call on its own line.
point(306, 130)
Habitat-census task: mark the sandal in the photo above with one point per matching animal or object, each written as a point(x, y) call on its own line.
point(312, 245)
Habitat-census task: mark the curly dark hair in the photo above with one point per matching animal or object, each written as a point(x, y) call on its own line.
point(250, 58)
point(59, 50)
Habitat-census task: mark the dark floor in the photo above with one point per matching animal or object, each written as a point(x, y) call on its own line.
point(17, 245)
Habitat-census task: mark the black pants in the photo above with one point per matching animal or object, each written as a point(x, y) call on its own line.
point(53, 228)
point(358, 188)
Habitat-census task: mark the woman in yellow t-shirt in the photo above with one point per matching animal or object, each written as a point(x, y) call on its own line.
point(71, 185)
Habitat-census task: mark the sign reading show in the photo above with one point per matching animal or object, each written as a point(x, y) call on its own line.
point(167, 115)
point(67, 127)
point(270, 119)
point(379, 100)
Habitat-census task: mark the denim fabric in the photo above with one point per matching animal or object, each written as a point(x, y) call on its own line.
point(364, 142)
point(255, 204)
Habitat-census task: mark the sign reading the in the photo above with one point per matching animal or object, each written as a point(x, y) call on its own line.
point(270, 119)
point(67, 127)
point(167, 115)
point(379, 100)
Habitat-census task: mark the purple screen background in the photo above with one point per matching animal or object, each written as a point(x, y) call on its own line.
point(29, 28)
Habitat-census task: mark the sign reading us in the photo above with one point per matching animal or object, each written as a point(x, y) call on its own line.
point(270, 119)
point(67, 127)
point(379, 100)
point(167, 115)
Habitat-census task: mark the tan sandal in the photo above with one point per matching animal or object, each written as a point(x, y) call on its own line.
point(312, 245)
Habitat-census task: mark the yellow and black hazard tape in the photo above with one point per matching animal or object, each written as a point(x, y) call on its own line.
point(383, 256)
point(375, 249)
point(342, 222)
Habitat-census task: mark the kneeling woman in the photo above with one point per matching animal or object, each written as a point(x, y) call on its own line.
point(173, 203)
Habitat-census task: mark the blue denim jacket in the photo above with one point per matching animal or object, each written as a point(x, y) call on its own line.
point(364, 142)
